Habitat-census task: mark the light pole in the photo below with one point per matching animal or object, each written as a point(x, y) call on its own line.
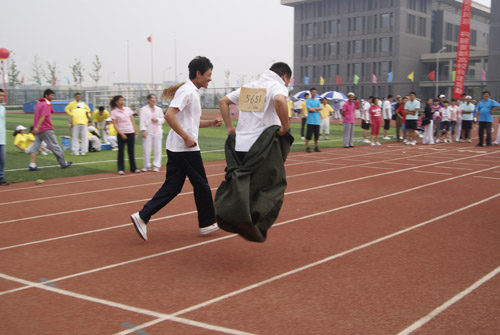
point(164, 72)
point(437, 70)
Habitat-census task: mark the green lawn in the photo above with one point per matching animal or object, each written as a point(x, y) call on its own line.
point(211, 142)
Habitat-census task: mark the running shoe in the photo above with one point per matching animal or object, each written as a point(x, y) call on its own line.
point(140, 226)
point(209, 229)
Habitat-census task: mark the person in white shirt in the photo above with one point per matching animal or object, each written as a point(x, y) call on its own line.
point(365, 118)
point(446, 114)
point(151, 121)
point(297, 107)
point(387, 115)
point(251, 124)
point(453, 118)
point(184, 157)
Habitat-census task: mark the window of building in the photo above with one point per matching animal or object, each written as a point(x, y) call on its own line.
point(309, 71)
point(411, 24)
point(309, 50)
point(332, 27)
point(449, 32)
point(309, 29)
point(384, 68)
point(385, 20)
point(385, 44)
point(422, 6)
point(412, 4)
point(357, 24)
point(422, 26)
point(332, 70)
point(357, 47)
point(456, 31)
point(473, 37)
point(332, 49)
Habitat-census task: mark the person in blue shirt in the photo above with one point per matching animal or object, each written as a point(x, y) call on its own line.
point(485, 110)
point(313, 120)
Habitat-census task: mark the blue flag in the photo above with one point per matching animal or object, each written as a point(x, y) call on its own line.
point(67, 79)
point(306, 80)
point(389, 77)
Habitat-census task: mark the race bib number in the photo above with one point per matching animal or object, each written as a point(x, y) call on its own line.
point(252, 99)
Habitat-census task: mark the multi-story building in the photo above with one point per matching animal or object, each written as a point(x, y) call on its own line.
point(380, 43)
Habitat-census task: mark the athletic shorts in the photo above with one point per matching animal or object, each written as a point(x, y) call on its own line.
point(365, 125)
point(466, 124)
point(445, 126)
point(312, 129)
point(387, 124)
point(411, 124)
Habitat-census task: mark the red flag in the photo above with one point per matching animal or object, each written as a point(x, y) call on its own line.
point(432, 75)
point(463, 50)
point(54, 80)
point(22, 79)
point(150, 39)
point(339, 81)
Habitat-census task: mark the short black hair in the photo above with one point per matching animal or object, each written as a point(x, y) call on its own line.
point(48, 91)
point(390, 96)
point(150, 96)
point(77, 94)
point(101, 109)
point(201, 64)
point(313, 89)
point(435, 100)
point(486, 92)
point(446, 102)
point(305, 94)
point(281, 69)
point(412, 93)
point(1, 90)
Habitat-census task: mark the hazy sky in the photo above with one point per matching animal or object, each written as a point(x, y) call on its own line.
point(242, 36)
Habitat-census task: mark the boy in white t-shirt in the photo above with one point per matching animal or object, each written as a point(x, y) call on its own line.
point(446, 115)
point(184, 157)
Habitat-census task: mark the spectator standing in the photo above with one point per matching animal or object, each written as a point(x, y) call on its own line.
point(297, 107)
point(486, 108)
point(99, 117)
point(412, 108)
point(365, 118)
point(3, 139)
point(376, 121)
point(336, 109)
point(445, 122)
point(303, 115)
point(401, 114)
point(396, 117)
point(326, 112)
point(348, 118)
point(151, 122)
point(387, 115)
point(72, 105)
point(44, 131)
point(453, 119)
point(313, 120)
point(467, 118)
point(436, 117)
point(123, 121)
point(428, 123)
point(78, 121)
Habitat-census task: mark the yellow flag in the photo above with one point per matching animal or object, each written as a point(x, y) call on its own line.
point(410, 76)
point(321, 80)
point(147, 86)
point(453, 74)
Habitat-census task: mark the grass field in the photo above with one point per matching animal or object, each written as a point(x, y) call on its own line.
point(211, 143)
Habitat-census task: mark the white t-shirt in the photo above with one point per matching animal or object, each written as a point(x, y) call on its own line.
point(365, 114)
point(187, 100)
point(387, 110)
point(446, 114)
point(297, 104)
point(252, 124)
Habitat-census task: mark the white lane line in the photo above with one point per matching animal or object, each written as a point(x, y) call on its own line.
point(448, 174)
point(123, 306)
point(454, 168)
point(231, 236)
point(377, 167)
point(397, 163)
point(487, 177)
point(473, 164)
point(327, 259)
point(419, 323)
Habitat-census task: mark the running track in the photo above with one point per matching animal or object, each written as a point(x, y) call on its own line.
point(371, 240)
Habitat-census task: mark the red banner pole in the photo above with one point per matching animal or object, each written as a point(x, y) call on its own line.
point(463, 50)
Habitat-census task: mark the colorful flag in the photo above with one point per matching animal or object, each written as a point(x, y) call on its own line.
point(390, 77)
point(22, 79)
point(306, 80)
point(321, 80)
point(356, 79)
point(39, 81)
point(483, 76)
point(150, 38)
point(432, 75)
point(147, 87)
point(156, 86)
point(164, 86)
point(339, 80)
point(67, 80)
point(453, 75)
point(374, 78)
point(54, 80)
point(410, 76)
point(463, 50)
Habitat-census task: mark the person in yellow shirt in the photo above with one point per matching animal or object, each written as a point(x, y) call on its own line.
point(325, 113)
point(72, 105)
point(113, 141)
point(21, 138)
point(303, 115)
point(289, 103)
point(78, 121)
point(94, 139)
point(99, 117)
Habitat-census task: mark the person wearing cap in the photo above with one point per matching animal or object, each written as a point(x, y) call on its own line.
point(441, 99)
point(326, 113)
point(72, 105)
point(150, 125)
point(94, 139)
point(99, 117)
point(348, 116)
point(3, 140)
point(78, 122)
point(467, 117)
point(486, 108)
point(111, 134)
point(44, 131)
point(21, 138)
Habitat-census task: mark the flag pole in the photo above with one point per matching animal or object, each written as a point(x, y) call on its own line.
point(175, 60)
point(152, 70)
point(128, 70)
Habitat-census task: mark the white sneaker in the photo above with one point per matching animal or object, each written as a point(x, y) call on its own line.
point(386, 138)
point(366, 141)
point(413, 143)
point(145, 169)
point(469, 141)
point(140, 226)
point(121, 173)
point(438, 140)
point(156, 169)
point(372, 144)
point(405, 141)
point(209, 229)
point(378, 143)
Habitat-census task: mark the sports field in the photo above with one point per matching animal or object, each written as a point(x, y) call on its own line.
point(370, 240)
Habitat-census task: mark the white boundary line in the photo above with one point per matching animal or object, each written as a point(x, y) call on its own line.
point(487, 177)
point(454, 168)
point(234, 235)
point(128, 308)
point(419, 323)
point(442, 173)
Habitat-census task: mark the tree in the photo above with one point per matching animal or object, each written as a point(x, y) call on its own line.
point(95, 74)
point(13, 73)
point(227, 74)
point(51, 76)
point(37, 70)
point(77, 72)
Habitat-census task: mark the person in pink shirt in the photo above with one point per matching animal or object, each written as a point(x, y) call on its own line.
point(44, 131)
point(348, 117)
point(123, 121)
point(376, 120)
